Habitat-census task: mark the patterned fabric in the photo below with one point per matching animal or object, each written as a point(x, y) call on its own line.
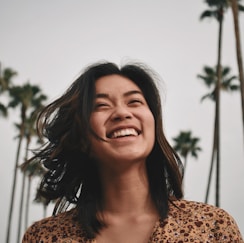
point(187, 222)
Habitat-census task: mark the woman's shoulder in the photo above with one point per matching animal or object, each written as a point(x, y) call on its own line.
point(58, 228)
point(194, 208)
point(200, 213)
point(198, 220)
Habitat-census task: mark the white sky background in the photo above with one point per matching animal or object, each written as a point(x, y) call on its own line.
point(50, 42)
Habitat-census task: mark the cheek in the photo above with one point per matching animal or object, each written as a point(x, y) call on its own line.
point(95, 123)
point(150, 121)
point(98, 133)
point(151, 127)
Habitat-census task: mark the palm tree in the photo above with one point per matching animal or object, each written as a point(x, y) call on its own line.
point(30, 170)
point(235, 6)
point(210, 78)
point(186, 145)
point(26, 98)
point(6, 77)
point(30, 132)
point(217, 8)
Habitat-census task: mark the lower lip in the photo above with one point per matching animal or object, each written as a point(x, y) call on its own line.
point(124, 139)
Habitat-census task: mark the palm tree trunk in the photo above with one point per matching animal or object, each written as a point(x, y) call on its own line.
point(212, 161)
point(27, 202)
point(217, 111)
point(21, 206)
point(185, 163)
point(22, 193)
point(44, 211)
point(14, 184)
point(234, 7)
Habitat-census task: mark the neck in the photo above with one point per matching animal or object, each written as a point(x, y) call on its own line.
point(126, 192)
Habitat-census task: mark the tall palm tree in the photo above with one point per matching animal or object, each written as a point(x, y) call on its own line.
point(6, 77)
point(216, 11)
point(186, 145)
point(30, 132)
point(236, 7)
point(25, 97)
point(228, 84)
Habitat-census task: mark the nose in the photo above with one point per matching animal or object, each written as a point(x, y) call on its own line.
point(121, 113)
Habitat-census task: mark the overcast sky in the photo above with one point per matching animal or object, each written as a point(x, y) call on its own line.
point(49, 42)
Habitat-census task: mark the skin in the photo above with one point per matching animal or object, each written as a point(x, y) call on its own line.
point(120, 104)
point(120, 108)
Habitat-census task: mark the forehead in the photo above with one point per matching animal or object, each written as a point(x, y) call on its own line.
point(115, 84)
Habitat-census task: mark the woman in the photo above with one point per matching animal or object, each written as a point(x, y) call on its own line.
point(107, 154)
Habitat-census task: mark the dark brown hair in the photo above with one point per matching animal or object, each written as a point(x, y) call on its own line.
point(72, 176)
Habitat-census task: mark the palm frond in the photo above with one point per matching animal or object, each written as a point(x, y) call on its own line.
point(3, 110)
point(234, 87)
point(207, 14)
point(240, 7)
point(217, 3)
point(209, 71)
point(225, 71)
point(208, 96)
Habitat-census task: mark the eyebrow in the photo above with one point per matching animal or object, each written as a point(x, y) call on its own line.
point(126, 94)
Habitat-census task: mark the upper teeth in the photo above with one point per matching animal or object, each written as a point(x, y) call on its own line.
point(124, 132)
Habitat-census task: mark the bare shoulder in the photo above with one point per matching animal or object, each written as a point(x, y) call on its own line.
point(196, 221)
point(58, 228)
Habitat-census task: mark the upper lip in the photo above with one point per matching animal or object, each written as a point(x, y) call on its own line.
point(110, 132)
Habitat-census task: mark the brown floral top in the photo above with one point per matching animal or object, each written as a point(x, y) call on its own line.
point(186, 222)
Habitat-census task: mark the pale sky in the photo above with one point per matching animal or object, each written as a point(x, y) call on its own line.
point(50, 42)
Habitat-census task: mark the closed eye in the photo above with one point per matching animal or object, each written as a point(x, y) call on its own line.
point(135, 102)
point(100, 106)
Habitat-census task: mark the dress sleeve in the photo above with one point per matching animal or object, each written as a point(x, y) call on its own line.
point(226, 229)
point(31, 234)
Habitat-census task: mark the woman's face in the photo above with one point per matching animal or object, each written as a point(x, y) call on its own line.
point(122, 119)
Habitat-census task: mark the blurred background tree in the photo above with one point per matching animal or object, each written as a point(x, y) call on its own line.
point(29, 99)
point(186, 144)
point(228, 83)
point(217, 10)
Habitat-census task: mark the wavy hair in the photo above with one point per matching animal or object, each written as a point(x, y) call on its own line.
point(72, 175)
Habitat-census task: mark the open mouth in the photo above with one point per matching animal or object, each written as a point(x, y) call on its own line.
point(124, 133)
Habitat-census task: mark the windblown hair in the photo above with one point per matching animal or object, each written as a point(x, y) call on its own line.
point(72, 175)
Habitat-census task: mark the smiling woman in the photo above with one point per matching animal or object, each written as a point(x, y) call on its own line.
point(108, 156)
